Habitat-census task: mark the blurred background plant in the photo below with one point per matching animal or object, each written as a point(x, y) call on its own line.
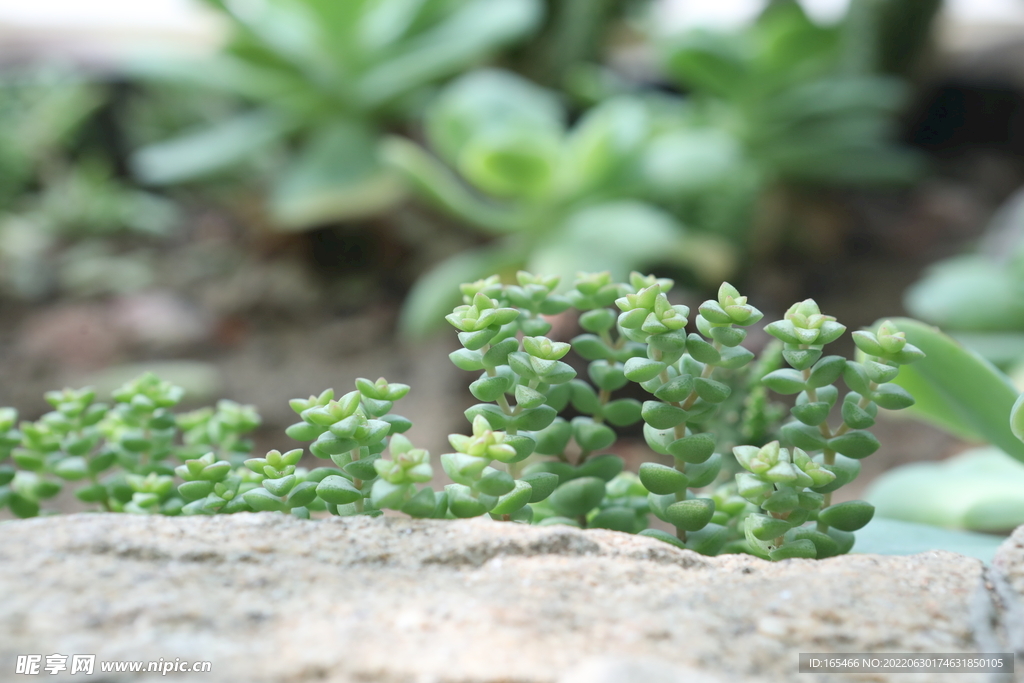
point(58, 187)
point(271, 200)
point(324, 79)
point(979, 296)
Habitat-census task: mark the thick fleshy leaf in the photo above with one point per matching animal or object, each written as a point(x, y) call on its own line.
point(969, 293)
point(957, 390)
point(894, 537)
point(978, 490)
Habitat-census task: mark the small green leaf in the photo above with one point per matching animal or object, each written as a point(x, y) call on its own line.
point(663, 536)
point(811, 414)
point(615, 518)
point(826, 371)
point(700, 350)
point(421, 505)
point(802, 548)
point(711, 390)
point(703, 474)
point(642, 369)
point(590, 435)
point(464, 359)
point(577, 497)
point(336, 490)
point(584, 398)
point(803, 436)
point(534, 419)
point(661, 415)
point(622, 412)
point(784, 381)
point(514, 500)
point(848, 516)
point(855, 444)
point(542, 485)
point(766, 528)
point(496, 483)
point(605, 467)
point(892, 397)
point(662, 480)
point(695, 448)
point(489, 388)
point(553, 439)
point(690, 515)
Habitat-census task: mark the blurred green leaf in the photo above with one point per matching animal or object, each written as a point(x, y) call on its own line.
point(486, 100)
point(211, 149)
point(437, 292)
point(710, 61)
point(441, 187)
point(969, 293)
point(958, 390)
point(603, 145)
point(512, 164)
point(334, 177)
point(618, 237)
point(690, 161)
point(469, 33)
point(978, 490)
point(1017, 418)
point(893, 537)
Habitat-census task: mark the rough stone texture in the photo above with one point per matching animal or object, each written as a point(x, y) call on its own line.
point(998, 608)
point(266, 597)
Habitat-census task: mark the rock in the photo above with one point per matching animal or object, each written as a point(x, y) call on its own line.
point(267, 597)
point(999, 602)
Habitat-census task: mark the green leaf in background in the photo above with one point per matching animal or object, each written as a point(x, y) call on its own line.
point(336, 176)
point(466, 36)
point(691, 161)
point(710, 61)
point(893, 537)
point(958, 390)
point(618, 237)
point(623, 236)
point(979, 490)
point(487, 100)
point(210, 149)
point(969, 293)
point(1017, 418)
point(601, 147)
point(437, 292)
point(512, 163)
point(439, 186)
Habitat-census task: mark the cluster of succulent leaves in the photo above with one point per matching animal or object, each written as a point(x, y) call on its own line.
point(328, 77)
point(522, 462)
point(125, 454)
point(778, 506)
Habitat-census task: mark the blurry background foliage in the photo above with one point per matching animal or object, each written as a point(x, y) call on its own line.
point(324, 79)
point(58, 185)
point(979, 296)
point(647, 178)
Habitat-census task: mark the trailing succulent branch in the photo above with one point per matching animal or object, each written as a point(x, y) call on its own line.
point(726, 476)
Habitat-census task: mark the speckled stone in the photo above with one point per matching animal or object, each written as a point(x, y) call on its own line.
point(269, 598)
